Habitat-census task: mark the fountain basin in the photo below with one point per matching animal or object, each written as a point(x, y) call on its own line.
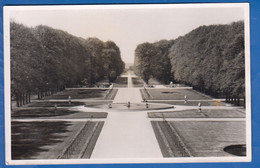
point(133, 106)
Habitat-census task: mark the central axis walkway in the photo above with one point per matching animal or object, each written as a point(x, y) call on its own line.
point(127, 134)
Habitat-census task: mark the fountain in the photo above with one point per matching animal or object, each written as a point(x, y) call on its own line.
point(119, 107)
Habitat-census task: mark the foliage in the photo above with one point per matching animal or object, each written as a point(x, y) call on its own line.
point(209, 58)
point(44, 59)
point(151, 60)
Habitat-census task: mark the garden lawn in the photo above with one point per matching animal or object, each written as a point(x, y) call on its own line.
point(53, 103)
point(47, 140)
point(121, 82)
point(137, 82)
point(209, 138)
point(210, 113)
point(191, 103)
point(83, 94)
point(61, 113)
point(176, 94)
point(65, 103)
point(28, 138)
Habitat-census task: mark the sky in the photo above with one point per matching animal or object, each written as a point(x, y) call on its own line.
point(127, 25)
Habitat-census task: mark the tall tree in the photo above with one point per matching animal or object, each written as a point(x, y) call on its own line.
point(44, 60)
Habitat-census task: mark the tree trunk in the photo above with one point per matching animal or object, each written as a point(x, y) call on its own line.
point(26, 98)
point(17, 100)
point(244, 102)
point(41, 94)
point(23, 97)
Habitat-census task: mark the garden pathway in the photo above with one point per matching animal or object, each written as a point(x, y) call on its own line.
point(127, 134)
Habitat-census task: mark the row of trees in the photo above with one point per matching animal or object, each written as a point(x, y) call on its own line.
point(45, 60)
point(151, 60)
point(209, 58)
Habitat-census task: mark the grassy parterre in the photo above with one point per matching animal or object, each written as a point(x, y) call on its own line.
point(28, 138)
point(210, 113)
point(209, 138)
point(121, 82)
point(52, 113)
point(192, 103)
point(200, 138)
point(81, 94)
point(47, 140)
point(137, 82)
point(176, 94)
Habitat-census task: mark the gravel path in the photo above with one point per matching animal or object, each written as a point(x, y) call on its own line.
point(127, 134)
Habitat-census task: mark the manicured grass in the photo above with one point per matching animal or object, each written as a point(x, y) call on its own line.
point(93, 140)
point(50, 112)
point(153, 81)
point(97, 103)
point(52, 104)
point(170, 142)
point(82, 143)
point(211, 113)
point(39, 112)
point(85, 115)
point(49, 140)
point(137, 82)
point(28, 138)
point(200, 139)
point(176, 94)
point(111, 95)
point(66, 104)
point(121, 82)
point(209, 138)
point(192, 103)
point(80, 94)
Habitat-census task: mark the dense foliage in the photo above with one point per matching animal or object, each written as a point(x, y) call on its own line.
point(45, 60)
point(151, 60)
point(209, 58)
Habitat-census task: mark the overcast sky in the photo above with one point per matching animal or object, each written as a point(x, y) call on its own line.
point(127, 26)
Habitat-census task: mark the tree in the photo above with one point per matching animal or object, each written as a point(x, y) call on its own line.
point(161, 62)
point(25, 56)
point(112, 61)
point(44, 60)
point(209, 58)
point(97, 69)
point(143, 55)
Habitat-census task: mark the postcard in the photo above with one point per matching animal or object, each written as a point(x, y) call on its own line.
point(144, 83)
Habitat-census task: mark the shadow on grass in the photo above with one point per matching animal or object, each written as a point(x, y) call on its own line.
point(28, 138)
point(52, 104)
point(40, 112)
point(52, 113)
point(79, 94)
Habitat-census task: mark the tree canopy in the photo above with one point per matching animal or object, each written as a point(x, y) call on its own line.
point(209, 58)
point(43, 58)
point(151, 60)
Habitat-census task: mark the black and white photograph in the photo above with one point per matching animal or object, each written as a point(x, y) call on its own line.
point(144, 83)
